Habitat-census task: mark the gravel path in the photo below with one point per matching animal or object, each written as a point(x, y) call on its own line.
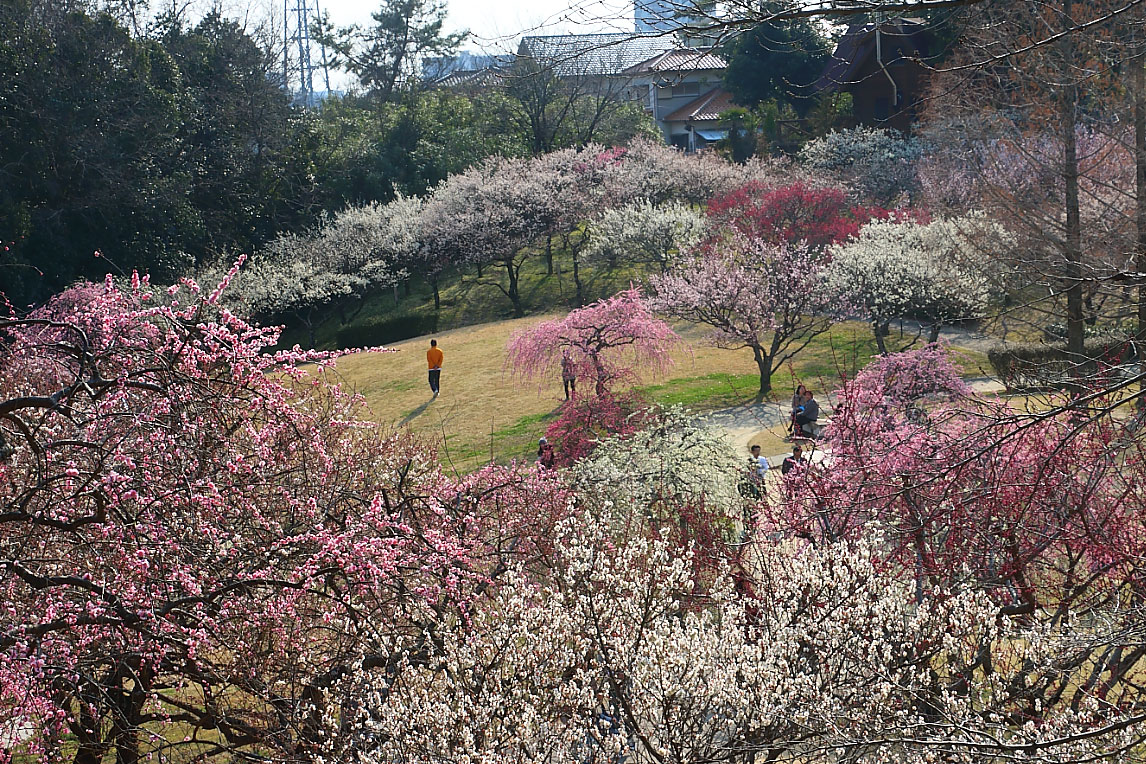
point(743, 422)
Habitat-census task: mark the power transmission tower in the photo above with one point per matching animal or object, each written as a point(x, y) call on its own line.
point(298, 66)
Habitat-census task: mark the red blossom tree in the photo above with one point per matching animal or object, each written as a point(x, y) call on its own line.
point(818, 216)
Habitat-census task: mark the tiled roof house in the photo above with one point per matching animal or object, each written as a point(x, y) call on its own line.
point(681, 90)
point(605, 55)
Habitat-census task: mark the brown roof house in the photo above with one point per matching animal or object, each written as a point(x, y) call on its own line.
point(680, 89)
point(880, 65)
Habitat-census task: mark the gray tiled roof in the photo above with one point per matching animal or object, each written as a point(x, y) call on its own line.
point(680, 60)
point(592, 54)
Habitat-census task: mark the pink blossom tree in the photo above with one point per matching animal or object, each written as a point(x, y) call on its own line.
point(767, 297)
point(610, 340)
point(1043, 514)
point(198, 537)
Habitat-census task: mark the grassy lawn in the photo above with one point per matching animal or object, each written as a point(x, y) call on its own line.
point(483, 413)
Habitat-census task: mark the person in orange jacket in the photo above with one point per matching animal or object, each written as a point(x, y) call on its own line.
point(434, 358)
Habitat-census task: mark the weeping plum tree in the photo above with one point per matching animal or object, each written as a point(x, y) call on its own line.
point(611, 340)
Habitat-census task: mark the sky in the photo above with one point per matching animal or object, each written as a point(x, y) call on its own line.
point(496, 25)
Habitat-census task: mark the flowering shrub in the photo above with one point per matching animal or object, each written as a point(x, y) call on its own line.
point(879, 163)
point(586, 420)
point(617, 654)
point(791, 214)
point(674, 459)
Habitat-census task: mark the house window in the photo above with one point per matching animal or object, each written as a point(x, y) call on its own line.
point(686, 89)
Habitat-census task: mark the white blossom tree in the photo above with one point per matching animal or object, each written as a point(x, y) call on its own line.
point(937, 272)
point(878, 163)
point(676, 460)
point(308, 275)
point(643, 232)
point(621, 652)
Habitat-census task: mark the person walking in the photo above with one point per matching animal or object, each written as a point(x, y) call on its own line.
point(568, 374)
point(434, 358)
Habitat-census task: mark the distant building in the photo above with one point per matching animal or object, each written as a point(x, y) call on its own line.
point(880, 65)
point(655, 16)
point(464, 69)
point(596, 55)
point(681, 90)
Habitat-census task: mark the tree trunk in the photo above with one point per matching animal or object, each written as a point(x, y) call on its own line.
point(763, 363)
point(1075, 324)
point(580, 296)
point(599, 373)
point(437, 294)
point(548, 254)
point(879, 329)
point(934, 337)
point(512, 292)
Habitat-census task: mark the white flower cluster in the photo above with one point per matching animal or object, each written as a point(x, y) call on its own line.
point(937, 272)
point(617, 654)
point(644, 232)
point(354, 252)
point(880, 164)
point(679, 459)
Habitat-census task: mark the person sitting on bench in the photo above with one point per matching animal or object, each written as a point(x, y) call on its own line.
point(807, 414)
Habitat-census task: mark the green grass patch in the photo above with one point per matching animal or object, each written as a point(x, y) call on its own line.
point(711, 391)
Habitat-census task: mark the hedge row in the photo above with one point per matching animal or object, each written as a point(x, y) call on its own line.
point(1036, 366)
point(386, 331)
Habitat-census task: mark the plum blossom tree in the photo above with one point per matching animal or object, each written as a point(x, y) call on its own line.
point(496, 213)
point(937, 272)
point(1043, 514)
point(622, 651)
point(798, 212)
point(675, 459)
point(879, 163)
point(767, 297)
point(643, 232)
point(611, 340)
point(307, 276)
point(195, 532)
point(659, 173)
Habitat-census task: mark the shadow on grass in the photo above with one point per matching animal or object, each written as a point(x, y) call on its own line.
point(416, 413)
